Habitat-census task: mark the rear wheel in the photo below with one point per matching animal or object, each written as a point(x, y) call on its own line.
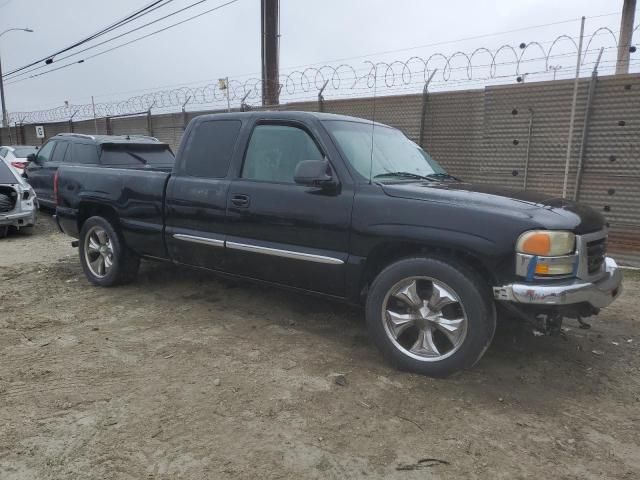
point(430, 315)
point(105, 258)
point(4, 231)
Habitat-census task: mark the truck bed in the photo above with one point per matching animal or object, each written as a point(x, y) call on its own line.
point(136, 194)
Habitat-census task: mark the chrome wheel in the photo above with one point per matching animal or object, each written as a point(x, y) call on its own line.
point(98, 251)
point(424, 319)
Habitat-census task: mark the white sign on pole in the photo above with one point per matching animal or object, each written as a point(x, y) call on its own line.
point(40, 131)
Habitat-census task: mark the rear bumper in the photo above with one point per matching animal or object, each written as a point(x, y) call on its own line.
point(598, 294)
point(20, 219)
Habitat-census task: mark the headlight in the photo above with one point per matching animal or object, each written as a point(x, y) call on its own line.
point(546, 243)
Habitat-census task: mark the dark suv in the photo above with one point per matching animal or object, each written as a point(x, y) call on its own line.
point(121, 151)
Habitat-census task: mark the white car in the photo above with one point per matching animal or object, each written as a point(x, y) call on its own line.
point(18, 202)
point(16, 156)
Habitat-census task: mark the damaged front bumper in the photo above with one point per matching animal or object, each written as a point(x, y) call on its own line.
point(598, 294)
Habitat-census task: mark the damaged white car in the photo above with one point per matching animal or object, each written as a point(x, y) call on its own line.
point(18, 202)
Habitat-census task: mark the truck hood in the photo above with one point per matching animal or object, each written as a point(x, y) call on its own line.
point(544, 210)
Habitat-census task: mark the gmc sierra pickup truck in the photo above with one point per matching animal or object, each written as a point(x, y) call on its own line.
point(351, 209)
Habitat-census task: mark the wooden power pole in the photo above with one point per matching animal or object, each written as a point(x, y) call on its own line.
point(270, 16)
point(626, 32)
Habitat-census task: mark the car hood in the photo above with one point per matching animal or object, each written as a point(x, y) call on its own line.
point(544, 210)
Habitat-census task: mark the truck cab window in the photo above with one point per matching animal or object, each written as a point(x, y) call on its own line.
point(209, 148)
point(85, 153)
point(274, 151)
point(59, 152)
point(44, 154)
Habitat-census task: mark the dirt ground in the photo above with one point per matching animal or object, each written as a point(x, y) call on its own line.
point(182, 375)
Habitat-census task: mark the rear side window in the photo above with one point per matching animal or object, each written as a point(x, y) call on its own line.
point(59, 152)
point(83, 153)
point(136, 155)
point(209, 149)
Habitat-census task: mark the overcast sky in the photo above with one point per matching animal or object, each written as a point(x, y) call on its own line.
point(227, 42)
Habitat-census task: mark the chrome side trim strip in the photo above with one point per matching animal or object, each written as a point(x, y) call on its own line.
point(202, 240)
point(285, 253)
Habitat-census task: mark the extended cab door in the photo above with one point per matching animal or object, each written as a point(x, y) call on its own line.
point(280, 231)
point(196, 198)
point(41, 172)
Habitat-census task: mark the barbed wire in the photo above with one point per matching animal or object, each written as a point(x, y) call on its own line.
point(499, 63)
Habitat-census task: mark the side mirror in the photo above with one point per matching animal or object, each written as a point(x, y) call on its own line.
point(32, 157)
point(314, 173)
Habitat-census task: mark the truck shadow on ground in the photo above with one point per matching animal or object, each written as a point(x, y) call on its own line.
point(514, 349)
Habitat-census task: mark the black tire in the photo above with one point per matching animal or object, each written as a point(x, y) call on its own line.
point(4, 231)
point(475, 300)
point(6, 204)
point(125, 263)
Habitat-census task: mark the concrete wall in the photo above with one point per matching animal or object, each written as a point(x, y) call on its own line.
point(483, 136)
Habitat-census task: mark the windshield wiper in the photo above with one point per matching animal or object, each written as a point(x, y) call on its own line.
point(138, 157)
point(442, 175)
point(402, 174)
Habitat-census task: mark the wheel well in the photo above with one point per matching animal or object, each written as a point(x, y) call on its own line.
point(388, 253)
point(90, 209)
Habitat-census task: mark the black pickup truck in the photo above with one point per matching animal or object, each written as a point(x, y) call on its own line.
point(350, 209)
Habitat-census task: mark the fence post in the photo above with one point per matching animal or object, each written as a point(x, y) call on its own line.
point(184, 113)
point(425, 95)
point(528, 153)
point(585, 127)
point(107, 121)
point(573, 111)
point(243, 105)
point(321, 98)
point(149, 123)
point(71, 120)
point(95, 118)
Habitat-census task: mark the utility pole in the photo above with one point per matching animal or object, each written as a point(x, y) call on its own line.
point(626, 32)
point(5, 115)
point(270, 17)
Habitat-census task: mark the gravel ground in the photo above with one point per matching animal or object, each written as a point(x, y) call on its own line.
point(185, 376)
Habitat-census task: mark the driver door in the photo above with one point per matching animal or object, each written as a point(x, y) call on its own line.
point(280, 231)
point(39, 171)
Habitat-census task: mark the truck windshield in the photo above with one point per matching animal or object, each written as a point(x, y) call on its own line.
point(136, 155)
point(394, 155)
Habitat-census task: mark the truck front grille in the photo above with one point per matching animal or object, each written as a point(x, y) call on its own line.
point(596, 251)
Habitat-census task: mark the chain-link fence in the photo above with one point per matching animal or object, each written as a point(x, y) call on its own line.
point(514, 136)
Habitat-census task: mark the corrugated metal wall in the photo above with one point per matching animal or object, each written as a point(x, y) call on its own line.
point(483, 136)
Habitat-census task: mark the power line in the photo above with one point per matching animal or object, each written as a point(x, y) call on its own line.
point(445, 42)
point(129, 18)
point(131, 41)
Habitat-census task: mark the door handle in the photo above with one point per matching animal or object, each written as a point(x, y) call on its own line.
point(240, 200)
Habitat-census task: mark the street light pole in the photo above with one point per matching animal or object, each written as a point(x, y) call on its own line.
point(5, 115)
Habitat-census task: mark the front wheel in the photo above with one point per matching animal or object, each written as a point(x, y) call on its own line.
point(431, 316)
point(105, 258)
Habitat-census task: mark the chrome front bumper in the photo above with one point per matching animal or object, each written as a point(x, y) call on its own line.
point(599, 293)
